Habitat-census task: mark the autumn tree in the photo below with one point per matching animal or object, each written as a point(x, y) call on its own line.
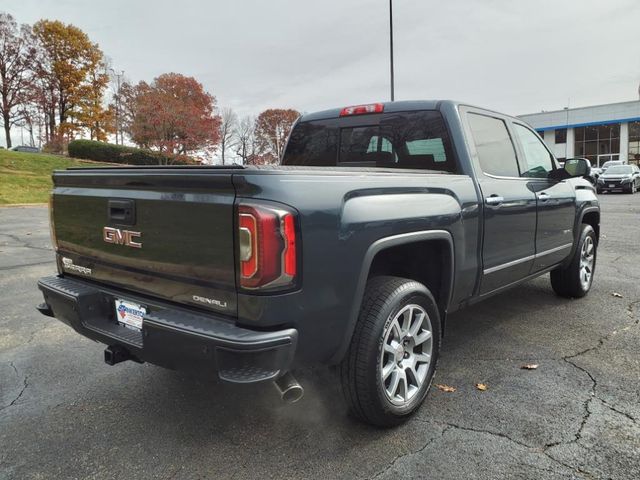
point(65, 63)
point(16, 50)
point(272, 129)
point(228, 124)
point(173, 114)
point(90, 111)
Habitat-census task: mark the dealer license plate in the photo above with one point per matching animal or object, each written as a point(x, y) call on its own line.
point(611, 185)
point(130, 314)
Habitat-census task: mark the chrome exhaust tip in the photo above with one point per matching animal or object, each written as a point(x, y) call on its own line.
point(289, 388)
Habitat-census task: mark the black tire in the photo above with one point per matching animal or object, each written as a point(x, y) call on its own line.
point(566, 281)
point(360, 378)
point(631, 190)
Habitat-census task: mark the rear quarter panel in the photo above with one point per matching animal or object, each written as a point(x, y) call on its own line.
point(342, 213)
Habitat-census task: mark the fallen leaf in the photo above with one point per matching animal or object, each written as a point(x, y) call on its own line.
point(616, 294)
point(481, 386)
point(529, 366)
point(445, 388)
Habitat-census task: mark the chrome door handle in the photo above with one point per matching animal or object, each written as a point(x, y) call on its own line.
point(494, 200)
point(543, 196)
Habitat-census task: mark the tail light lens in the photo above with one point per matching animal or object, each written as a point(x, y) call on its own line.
point(267, 247)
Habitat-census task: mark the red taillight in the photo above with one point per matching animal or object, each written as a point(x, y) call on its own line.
point(267, 241)
point(362, 109)
point(289, 230)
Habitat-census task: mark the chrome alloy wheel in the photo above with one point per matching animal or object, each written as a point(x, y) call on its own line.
point(406, 354)
point(587, 260)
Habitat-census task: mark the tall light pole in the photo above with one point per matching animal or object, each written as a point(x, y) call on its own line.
point(391, 45)
point(118, 76)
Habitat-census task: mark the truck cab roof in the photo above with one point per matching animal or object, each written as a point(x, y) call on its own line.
point(390, 107)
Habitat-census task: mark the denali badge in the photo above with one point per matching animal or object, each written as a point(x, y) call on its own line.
point(68, 264)
point(121, 237)
point(210, 301)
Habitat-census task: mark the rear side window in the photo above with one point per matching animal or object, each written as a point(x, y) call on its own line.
point(413, 140)
point(496, 153)
point(312, 144)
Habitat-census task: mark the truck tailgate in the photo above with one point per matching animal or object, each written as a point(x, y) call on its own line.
point(169, 232)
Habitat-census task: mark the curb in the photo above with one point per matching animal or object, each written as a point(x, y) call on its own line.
point(23, 205)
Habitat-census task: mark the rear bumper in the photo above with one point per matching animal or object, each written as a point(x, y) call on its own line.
point(171, 337)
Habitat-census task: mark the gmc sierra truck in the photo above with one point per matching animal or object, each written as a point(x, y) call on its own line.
point(380, 221)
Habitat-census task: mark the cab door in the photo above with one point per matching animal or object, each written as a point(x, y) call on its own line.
point(509, 205)
point(555, 200)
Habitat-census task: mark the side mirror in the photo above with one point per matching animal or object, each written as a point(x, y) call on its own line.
point(577, 167)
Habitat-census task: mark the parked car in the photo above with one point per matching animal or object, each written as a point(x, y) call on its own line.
point(611, 163)
point(381, 221)
point(26, 148)
point(624, 178)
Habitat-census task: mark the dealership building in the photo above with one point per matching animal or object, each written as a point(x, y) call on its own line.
point(599, 133)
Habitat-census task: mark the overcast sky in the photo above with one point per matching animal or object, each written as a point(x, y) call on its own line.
point(513, 56)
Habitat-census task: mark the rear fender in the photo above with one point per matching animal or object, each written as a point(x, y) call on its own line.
point(377, 247)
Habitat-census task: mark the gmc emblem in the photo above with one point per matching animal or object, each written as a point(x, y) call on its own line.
point(121, 237)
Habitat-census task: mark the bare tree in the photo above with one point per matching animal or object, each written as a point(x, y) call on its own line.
point(245, 139)
point(228, 124)
point(15, 51)
point(272, 130)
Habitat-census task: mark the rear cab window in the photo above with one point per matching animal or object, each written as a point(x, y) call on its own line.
point(408, 140)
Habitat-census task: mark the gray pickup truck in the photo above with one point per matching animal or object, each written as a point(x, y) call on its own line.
point(380, 220)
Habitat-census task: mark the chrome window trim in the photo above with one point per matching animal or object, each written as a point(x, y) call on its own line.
point(526, 179)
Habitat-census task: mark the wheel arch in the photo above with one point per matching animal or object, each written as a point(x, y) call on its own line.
point(378, 255)
point(591, 216)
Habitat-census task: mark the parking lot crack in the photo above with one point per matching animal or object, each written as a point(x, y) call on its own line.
point(578, 470)
point(490, 432)
point(23, 265)
point(601, 341)
point(22, 243)
point(414, 452)
point(631, 311)
point(587, 402)
point(524, 445)
point(618, 411)
point(25, 384)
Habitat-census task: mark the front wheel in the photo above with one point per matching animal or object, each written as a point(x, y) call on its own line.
point(574, 280)
point(387, 371)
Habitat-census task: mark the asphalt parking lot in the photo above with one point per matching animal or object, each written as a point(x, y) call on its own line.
point(64, 413)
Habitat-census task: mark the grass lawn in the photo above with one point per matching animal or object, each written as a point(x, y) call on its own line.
point(26, 177)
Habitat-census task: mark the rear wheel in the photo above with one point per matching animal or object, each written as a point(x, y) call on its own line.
point(574, 280)
point(388, 369)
